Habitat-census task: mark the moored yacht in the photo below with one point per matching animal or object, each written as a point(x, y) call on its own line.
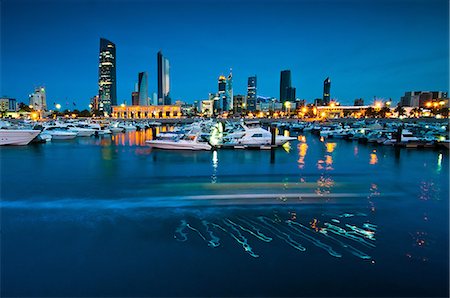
point(186, 142)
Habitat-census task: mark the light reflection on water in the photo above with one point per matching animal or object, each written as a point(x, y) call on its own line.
point(316, 204)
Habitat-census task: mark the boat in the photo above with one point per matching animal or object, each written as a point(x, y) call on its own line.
point(252, 135)
point(187, 142)
point(81, 130)
point(19, 137)
point(59, 133)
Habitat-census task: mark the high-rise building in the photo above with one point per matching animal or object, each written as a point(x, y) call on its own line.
point(238, 104)
point(222, 93)
point(326, 91)
point(8, 104)
point(251, 93)
point(38, 99)
point(229, 93)
point(135, 98)
point(163, 80)
point(143, 88)
point(287, 92)
point(107, 84)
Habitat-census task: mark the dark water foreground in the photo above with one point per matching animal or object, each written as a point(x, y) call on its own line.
point(111, 217)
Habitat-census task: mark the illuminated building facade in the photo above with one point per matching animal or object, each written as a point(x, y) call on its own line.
point(239, 104)
point(421, 98)
point(107, 85)
point(163, 80)
point(326, 91)
point(146, 112)
point(143, 89)
point(251, 94)
point(8, 105)
point(38, 99)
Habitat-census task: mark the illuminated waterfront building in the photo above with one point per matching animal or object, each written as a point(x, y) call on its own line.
point(8, 105)
point(143, 89)
point(163, 80)
point(326, 91)
point(146, 112)
point(38, 99)
point(239, 104)
point(107, 84)
point(94, 103)
point(421, 98)
point(251, 94)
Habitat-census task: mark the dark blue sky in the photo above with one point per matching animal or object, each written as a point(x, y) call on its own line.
point(368, 48)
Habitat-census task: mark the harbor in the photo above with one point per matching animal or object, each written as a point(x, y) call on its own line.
point(140, 217)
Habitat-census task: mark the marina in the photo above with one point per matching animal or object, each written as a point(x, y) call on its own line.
point(351, 210)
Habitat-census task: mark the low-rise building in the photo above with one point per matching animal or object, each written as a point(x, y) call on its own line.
point(146, 112)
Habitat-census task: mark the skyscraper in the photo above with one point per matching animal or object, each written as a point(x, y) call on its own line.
point(286, 91)
point(107, 88)
point(134, 98)
point(143, 89)
point(326, 91)
point(222, 87)
point(229, 93)
point(251, 93)
point(163, 80)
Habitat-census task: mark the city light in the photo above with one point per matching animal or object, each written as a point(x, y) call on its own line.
point(58, 106)
point(378, 104)
point(428, 104)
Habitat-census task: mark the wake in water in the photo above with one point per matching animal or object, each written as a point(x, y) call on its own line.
point(289, 231)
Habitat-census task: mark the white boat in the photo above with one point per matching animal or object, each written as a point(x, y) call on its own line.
point(187, 142)
point(81, 130)
point(127, 126)
point(17, 136)
point(59, 133)
point(253, 135)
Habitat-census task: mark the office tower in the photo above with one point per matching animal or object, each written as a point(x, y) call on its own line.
point(143, 89)
point(38, 99)
point(135, 98)
point(251, 94)
point(222, 94)
point(163, 80)
point(326, 91)
point(358, 102)
point(238, 104)
point(107, 85)
point(229, 93)
point(287, 92)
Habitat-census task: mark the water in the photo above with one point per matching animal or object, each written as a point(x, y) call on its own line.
point(112, 217)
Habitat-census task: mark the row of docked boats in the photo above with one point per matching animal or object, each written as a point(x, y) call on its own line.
point(410, 135)
point(205, 135)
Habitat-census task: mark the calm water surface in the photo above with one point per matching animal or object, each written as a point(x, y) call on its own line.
point(112, 217)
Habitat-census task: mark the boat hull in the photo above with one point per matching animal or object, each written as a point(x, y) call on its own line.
point(17, 137)
point(178, 145)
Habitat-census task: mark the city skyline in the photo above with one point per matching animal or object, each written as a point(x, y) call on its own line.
point(381, 56)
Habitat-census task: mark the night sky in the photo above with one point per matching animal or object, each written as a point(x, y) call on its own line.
point(368, 48)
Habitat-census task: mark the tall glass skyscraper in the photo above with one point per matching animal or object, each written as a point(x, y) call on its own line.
point(326, 91)
point(222, 87)
point(228, 106)
point(163, 80)
point(143, 89)
point(251, 93)
point(107, 88)
point(286, 91)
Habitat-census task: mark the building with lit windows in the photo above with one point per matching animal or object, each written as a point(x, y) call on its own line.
point(146, 112)
point(38, 99)
point(251, 94)
point(326, 91)
point(239, 104)
point(143, 89)
point(163, 80)
point(421, 98)
point(107, 85)
point(228, 105)
point(8, 105)
point(134, 98)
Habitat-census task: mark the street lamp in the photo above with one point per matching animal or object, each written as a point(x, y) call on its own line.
point(58, 106)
